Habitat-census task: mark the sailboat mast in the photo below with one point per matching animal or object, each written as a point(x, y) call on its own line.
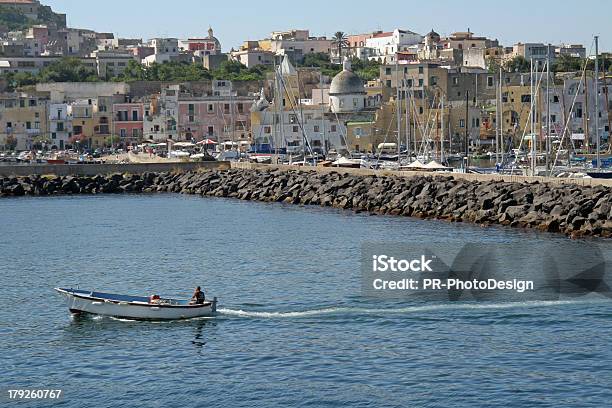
point(323, 115)
point(597, 100)
point(501, 115)
point(532, 122)
point(497, 124)
point(548, 108)
point(397, 108)
point(275, 111)
point(442, 133)
point(406, 103)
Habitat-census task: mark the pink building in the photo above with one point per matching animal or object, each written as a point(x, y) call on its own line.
point(358, 40)
point(218, 118)
point(128, 122)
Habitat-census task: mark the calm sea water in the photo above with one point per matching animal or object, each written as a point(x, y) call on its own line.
point(294, 329)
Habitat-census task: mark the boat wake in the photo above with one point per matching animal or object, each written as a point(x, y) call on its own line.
point(340, 311)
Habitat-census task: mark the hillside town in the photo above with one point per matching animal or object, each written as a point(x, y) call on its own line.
point(298, 96)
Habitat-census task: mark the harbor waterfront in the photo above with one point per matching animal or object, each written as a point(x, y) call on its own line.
point(566, 208)
point(370, 209)
point(293, 327)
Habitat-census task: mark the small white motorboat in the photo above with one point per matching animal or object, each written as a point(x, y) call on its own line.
point(135, 307)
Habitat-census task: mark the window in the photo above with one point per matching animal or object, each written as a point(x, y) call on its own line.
point(553, 118)
point(388, 83)
point(60, 126)
point(122, 133)
point(156, 128)
point(211, 108)
point(526, 98)
point(226, 108)
point(316, 128)
point(455, 81)
point(295, 129)
point(333, 128)
point(421, 70)
point(240, 108)
point(267, 130)
point(387, 71)
point(421, 82)
point(28, 125)
point(53, 135)
point(211, 130)
point(461, 123)
point(191, 119)
point(490, 83)
point(191, 108)
point(555, 99)
point(355, 102)
point(434, 80)
point(420, 110)
point(135, 133)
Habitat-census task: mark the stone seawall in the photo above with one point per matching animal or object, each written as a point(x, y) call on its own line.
point(95, 169)
point(573, 210)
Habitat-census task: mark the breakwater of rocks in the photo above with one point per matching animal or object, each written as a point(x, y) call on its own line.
point(573, 210)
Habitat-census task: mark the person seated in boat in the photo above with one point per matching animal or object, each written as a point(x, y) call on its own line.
point(198, 297)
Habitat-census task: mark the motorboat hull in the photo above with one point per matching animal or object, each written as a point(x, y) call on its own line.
point(134, 307)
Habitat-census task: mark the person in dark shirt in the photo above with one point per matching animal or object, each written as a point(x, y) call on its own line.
point(198, 297)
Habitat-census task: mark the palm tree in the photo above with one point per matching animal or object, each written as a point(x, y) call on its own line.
point(340, 40)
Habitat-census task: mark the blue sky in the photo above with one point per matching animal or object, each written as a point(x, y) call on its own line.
point(238, 20)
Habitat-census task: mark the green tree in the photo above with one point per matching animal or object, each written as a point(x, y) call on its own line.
point(133, 71)
point(493, 64)
point(567, 63)
point(517, 64)
point(68, 70)
point(235, 71)
point(321, 60)
point(366, 70)
point(13, 19)
point(340, 41)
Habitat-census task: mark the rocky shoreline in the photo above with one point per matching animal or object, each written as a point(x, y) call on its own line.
point(572, 210)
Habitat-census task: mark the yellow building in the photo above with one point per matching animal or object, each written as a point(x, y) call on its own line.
point(23, 120)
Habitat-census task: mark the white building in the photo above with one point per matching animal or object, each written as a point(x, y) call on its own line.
point(60, 125)
point(165, 49)
point(253, 57)
point(161, 118)
point(385, 46)
point(298, 42)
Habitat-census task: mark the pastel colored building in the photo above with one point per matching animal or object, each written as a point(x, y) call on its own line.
point(128, 122)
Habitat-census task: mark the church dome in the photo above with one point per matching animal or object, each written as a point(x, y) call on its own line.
point(346, 82)
point(433, 36)
point(213, 38)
